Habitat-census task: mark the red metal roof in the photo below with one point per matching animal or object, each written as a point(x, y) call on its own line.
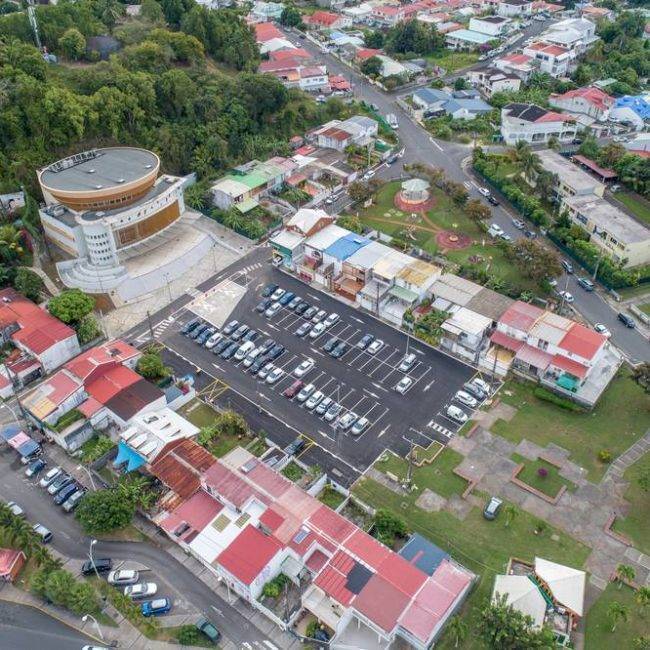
point(521, 316)
point(248, 554)
point(606, 174)
point(505, 341)
point(594, 96)
point(295, 53)
point(366, 53)
point(230, 486)
point(316, 561)
point(89, 407)
point(271, 519)
point(582, 341)
point(332, 524)
point(572, 367)
point(382, 602)
point(367, 549)
point(534, 356)
point(266, 31)
point(323, 18)
point(332, 579)
point(111, 383)
point(553, 116)
point(92, 363)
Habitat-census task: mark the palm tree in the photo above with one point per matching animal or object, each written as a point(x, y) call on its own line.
point(642, 598)
point(529, 163)
point(641, 643)
point(457, 629)
point(616, 613)
point(21, 533)
point(10, 243)
point(625, 572)
point(510, 512)
point(521, 148)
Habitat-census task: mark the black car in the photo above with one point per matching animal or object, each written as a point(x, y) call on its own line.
point(275, 352)
point(197, 331)
point(251, 335)
point(492, 200)
point(628, 321)
point(268, 290)
point(302, 308)
point(331, 344)
point(65, 492)
point(189, 326)
point(263, 305)
point(221, 346)
point(229, 352)
point(258, 364)
point(530, 234)
point(365, 341)
point(294, 447)
point(339, 350)
point(287, 298)
point(101, 564)
point(231, 327)
point(266, 346)
point(238, 334)
point(205, 335)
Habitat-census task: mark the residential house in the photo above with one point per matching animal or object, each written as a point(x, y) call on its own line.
point(515, 8)
point(590, 106)
point(639, 145)
point(570, 179)
point(41, 342)
point(575, 34)
point(384, 275)
point(494, 26)
point(336, 134)
point(464, 333)
point(413, 283)
point(632, 110)
point(535, 125)
point(339, 251)
point(597, 13)
point(385, 15)
point(247, 524)
point(458, 104)
point(553, 59)
point(310, 266)
point(521, 65)
point(356, 270)
point(266, 11)
point(490, 81)
point(359, 14)
point(334, 5)
point(266, 32)
point(11, 563)
point(466, 39)
point(328, 20)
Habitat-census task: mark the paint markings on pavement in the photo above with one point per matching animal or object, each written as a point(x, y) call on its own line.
point(263, 396)
point(426, 388)
point(379, 387)
point(313, 297)
point(218, 611)
point(383, 431)
point(358, 320)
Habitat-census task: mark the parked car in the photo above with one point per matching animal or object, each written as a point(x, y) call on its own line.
point(294, 389)
point(466, 399)
point(251, 356)
point(331, 344)
point(530, 234)
point(243, 350)
point(566, 296)
point(314, 400)
point(221, 346)
point(101, 565)
point(310, 312)
point(213, 340)
point(586, 284)
point(324, 405)
point(189, 326)
point(229, 352)
point(275, 352)
point(74, 499)
point(198, 330)
point(16, 510)
point(628, 321)
point(457, 414)
point(123, 577)
point(156, 607)
point(258, 364)
point(251, 335)
point(65, 492)
point(265, 370)
point(294, 447)
point(204, 626)
point(302, 308)
point(317, 330)
point(481, 385)
point(35, 467)
point(495, 230)
point(239, 332)
point(231, 327)
point(59, 483)
point(567, 266)
point(44, 533)
point(375, 346)
point(320, 315)
point(332, 319)
point(268, 290)
point(277, 294)
point(303, 330)
point(50, 476)
point(295, 302)
point(403, 385)
point(263, 305)
point(304, 367)
point(407, 362)
point(28, 460)
point(267, 345)
point(518, 224)
point(305, 393)
point(491, 199)
point(287, 298)
point(602, 329)
point(484, 191)
point(492, 508)
point(348, 420)
point(332, 412)
point(365, 341)
point(274, 376)
point(205, 335)
point(141, 590)
point(339, 350)
point(475, 391)
point(273, 310)
point(359, 426)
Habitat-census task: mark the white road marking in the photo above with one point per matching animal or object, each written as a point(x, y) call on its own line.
point(217, 610)
point(371, 393)
point(263, 396)
point(416, 351)
point(358, 320)
point(435, 144)
point(383, 431)
point(426, 388)
point(217, 367)
point(313, 297)
point(376, 385)
point(273, 327)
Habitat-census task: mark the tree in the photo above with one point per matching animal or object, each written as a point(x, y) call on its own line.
point(388, 526)
point(150, 365)
point(71, 306)
point(152, 12)
point(291, 17)
point(104, 510)
point(351, 222)
point(535, 260)
point(642, 598)
point(460, 83)
point(617, 612)
point(88, 329)
point(28, 283)
point(458, 629)
point(10, 244)
point(413, 37)
point(73, 44)
point(641, 643)
point(372, 67)
point(359, 191)
point(510, 512)
point(545, 183)
point(82, 599)
point(374, 39)
point(457, 191)
point(477, 210)
point(625, 572)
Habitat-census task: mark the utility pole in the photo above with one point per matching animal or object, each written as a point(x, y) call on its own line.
point(409, 471)
point(150, 326)
point(566, 286)
point(600, 257)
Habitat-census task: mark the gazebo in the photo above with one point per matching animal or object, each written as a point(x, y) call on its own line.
point(415, 190)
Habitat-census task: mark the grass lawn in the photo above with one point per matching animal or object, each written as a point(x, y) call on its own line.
point(482, 546)
point(645, 308)
point(258, 447)
point(635, 292)
point(437, 476)
point(598, 632)
point(617, 421)
point(95, 448)
point(447, 216)
point(636, 525)
point(452, 61)
point(331, 497)
point(549, 484)
point(293, 472)
point(636, 205)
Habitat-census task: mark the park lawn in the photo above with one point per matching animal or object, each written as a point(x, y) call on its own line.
point(636, 525)
point(598, 628)
point(452, 61)
point(549, 484)
point(482, 546)
point(619, 419)
point(640, 290)
point(636, 205)
point(645, 308)
point(437, 475)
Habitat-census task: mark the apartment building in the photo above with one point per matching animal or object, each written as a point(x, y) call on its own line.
point(571, 180)
point(556, 60)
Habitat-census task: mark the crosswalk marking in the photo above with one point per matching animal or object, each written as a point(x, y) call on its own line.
point(440, 429)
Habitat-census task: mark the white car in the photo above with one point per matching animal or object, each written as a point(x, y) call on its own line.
point(277, 294)
point(495, 230)
point(265, 371)
point(303, 368)
point(314, 400)
point(305, 393)
point(484, 191)
point(518, 224)
point(568, 297)
point(465, 398)
point(359, 426)
point(213, 340)
point(319, 316)
point(348, 420)
point(457, 414)
point(273, 310)
point(251, 356)
point(601, 329)
point(274, 376)
point(403, 385)
point(244, 350)
point(49, 477)
point(375, 346)
point(483, 385)
point(141, 590)
point(16, 510)
point(123, 577)
point(317, 330)
point(407, 362)
point(331, 319)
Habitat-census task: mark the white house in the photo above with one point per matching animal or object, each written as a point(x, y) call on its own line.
point(494, 81)
point(535, 125)
point(590, 101)
point(514, 8)
point(551, 58)
point(490, 25)
point(571, 179)
point(576, 34)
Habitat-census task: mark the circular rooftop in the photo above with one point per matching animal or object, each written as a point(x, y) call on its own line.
point(101, 178)
point(415, 185)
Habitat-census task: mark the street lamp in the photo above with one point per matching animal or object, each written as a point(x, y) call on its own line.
point(91, 558)
point(85, 618)
point(90, 476)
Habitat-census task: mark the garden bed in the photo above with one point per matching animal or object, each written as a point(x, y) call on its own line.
point(293, 472)
point(541, 476)
point(357, 515)
point(331, 497)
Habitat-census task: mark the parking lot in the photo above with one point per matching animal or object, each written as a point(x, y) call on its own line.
point(363, 383)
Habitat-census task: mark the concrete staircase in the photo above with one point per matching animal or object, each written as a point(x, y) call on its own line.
point(80, 274)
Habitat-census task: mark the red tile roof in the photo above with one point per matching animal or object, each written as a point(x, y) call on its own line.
point(594, 96)
point(517, 59)
point(521, 316)
point(266, 31)
point(248, 554)
point(323, 18)
point(582, 341)
point(295, 53)
point(366, 53)
point(547, 48)
point(552, 116)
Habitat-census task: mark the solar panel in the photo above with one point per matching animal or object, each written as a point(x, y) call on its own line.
point(300, 535)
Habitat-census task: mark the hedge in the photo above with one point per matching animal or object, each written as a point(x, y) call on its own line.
point(548, 396)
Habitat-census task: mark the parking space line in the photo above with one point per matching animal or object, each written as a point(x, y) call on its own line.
point(422, 376)
point(313, 381)
point(355, 358)
point(329, 381)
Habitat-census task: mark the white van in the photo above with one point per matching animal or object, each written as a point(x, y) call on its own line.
point(252, 355)
point(495, 230)
point(244, 349)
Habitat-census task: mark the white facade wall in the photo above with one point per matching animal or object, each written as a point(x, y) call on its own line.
point(514, 130)
point(59, 353)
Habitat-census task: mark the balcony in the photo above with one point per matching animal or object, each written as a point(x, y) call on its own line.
point(311, 262)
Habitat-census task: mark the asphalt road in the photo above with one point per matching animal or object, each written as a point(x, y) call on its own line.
point(70, 540)
point(25, 628)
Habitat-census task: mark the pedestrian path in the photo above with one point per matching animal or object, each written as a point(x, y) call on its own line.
point(631, 456)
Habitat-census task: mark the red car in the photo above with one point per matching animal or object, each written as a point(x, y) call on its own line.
point(294, 389)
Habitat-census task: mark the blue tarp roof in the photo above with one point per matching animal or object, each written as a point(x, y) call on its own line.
point(28, 447)
point(127, 455)
point(10, 431)
point(424, 554)
point(342, 248)
point(638, 104)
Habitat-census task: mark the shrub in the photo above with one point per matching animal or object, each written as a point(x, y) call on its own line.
point(542, 472)
point(547, 396)
point(188, 635)
point(605, 456)
point(275, 587)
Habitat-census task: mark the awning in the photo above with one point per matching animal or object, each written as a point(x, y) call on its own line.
point(403, 294)
point(19, 440)
point(570, 366)
point(505, 341)
point(534, 357)
point(127, 455)
point(10, 431)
